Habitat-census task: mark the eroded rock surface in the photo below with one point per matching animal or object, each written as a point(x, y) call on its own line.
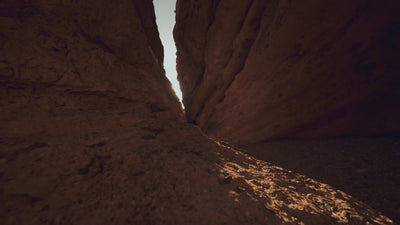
point(255, 70)
point(91, 132)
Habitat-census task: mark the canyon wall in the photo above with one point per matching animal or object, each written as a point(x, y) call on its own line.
point(91, 132)
point(256, 70)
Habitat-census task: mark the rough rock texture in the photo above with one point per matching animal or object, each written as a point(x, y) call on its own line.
point(91, 132)
point(366, 167)
point(254, 70)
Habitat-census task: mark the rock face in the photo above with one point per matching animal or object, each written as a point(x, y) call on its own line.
point(256, 70)
point(91, 132)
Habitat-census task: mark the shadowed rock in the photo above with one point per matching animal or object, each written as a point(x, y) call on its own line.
point(260, 70)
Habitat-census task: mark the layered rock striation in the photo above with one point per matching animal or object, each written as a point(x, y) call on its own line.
point(257, 70)
point(91, 132)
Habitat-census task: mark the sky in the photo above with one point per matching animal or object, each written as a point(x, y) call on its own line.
point(165, 18)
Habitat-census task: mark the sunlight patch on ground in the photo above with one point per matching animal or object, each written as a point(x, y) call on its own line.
point(292, 196)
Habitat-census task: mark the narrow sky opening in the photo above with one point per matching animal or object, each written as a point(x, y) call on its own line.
point(165, 18)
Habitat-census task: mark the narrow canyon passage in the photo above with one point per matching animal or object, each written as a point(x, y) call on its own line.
point(367, 168)
point(92, 132)
point(311, 86)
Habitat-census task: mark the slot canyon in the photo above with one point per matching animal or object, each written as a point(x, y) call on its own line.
point(291, 113)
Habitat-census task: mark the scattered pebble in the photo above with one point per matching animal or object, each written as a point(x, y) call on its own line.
point(240, 189)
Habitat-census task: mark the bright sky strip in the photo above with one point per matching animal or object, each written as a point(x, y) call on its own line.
point(165, 18)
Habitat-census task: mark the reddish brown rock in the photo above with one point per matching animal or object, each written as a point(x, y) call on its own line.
point(91, 132)
point(259, 70)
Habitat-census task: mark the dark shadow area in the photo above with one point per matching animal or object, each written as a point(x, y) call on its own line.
point(366, 168)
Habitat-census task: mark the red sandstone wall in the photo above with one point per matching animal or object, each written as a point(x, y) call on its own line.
point(254, 70)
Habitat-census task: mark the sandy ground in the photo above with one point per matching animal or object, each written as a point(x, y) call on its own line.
point(366, 168)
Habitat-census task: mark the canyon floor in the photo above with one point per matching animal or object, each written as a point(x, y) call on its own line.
point(93, 157)
point(122, 164)
point(365, 167)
